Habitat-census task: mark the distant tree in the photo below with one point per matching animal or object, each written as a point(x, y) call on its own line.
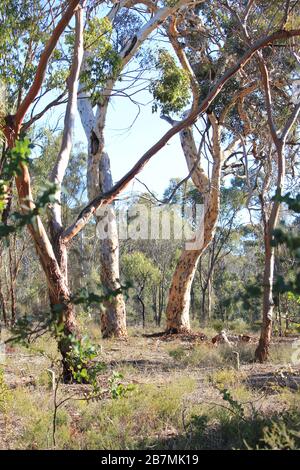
point(143, 274)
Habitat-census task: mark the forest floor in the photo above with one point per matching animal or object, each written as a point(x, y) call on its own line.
point(173, 392)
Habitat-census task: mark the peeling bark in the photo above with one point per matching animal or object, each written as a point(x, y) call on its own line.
point(262, 351)
point(113, 316)
point(99, 179)
point(179, 295)
point(178, 320)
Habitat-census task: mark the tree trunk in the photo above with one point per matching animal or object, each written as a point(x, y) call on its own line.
point(113, 315)
point(179, 294)
point(287, 322)
point(160, 302)
point(143, 310)
point(62, 308)
point(155, 304)
point(209, 297)
point(58, 290)
point(3, 305)
point(2, 298)
point(99, 179)
point(206, 288)
point(178, 320)
point(270, 223)
point(262, 350)
point(114, 320)
point(12, 286)
point(279, 315)
point(203, 305)
point(193, 303)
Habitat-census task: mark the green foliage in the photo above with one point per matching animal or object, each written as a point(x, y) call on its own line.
point(291, 240)
point(171, 91)
point(170, 3)
point(203, 355)
point(87, 299)
point(19, 155)
point(132, 422)
point(23, 33)
point(142, 274)
point(80, 360)
point(57, 79)
point(14, 159)
point(235, 406)
point(4, 394)
point(21, 220)
point(283, 434)
point(117, 389)
point(103, 62)
point(138, 269)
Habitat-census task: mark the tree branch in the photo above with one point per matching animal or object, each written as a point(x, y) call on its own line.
point(59, 169)
point(41, 69)
point(90, 209)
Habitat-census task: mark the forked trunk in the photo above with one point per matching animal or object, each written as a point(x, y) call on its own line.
point(270, 222)
point(59, 292)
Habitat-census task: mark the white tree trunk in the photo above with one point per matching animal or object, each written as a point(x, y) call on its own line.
point(113, 315)
point(99, 179)
point(113, 318)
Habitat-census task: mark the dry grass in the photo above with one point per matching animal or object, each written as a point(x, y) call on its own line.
point(176, 402)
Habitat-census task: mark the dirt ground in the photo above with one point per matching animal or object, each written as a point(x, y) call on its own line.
point(159, 361)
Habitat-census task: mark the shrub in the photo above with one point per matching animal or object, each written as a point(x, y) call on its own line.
point(4, 394)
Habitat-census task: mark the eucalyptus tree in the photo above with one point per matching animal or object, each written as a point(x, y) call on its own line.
point(143, 274)
point(203, 52)
point(43, 58)
point(111, 43)
point(35, 44)
point(277, 71)
point(232, 200)
point(205, 174)
point(271, 216)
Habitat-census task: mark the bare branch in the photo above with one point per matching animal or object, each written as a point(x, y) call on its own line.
point(41, 69)
point(101, 199)
point(59, 170)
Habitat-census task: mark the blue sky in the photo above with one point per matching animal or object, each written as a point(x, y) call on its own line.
point(125, 144)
